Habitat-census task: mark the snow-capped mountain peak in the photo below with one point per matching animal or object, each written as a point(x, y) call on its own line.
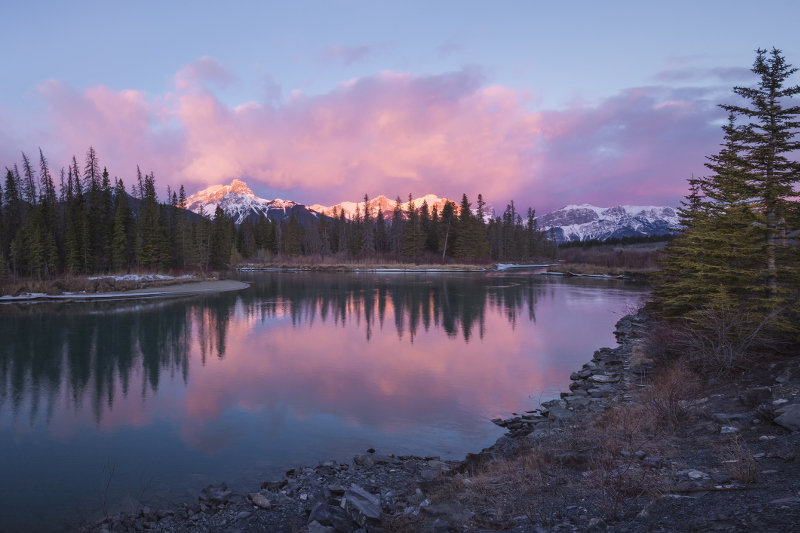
point(585, 222)
point(239, 202)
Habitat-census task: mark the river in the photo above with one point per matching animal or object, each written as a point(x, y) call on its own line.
point(107, 403)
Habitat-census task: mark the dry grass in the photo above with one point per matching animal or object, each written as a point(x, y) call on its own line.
point(672, 397)
point(609, 262)
point(738, 459)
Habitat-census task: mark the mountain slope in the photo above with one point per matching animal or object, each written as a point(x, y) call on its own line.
point(585, 222)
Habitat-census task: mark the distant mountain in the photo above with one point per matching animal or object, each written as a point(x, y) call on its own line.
point(239, 202)
point(387, 206)
point(571, 223)
point(585, 222)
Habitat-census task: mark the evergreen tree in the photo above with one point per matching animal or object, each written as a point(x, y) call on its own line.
point(397, 227)
point(121, 245)
point(368, 232)
point(219, 250)
point(413, 238)
point(149, 227)
point(29, 184)
point(12, 210)
point(767, 139)
point(381, 236)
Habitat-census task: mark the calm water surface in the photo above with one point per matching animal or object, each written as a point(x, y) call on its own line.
point(301, 367)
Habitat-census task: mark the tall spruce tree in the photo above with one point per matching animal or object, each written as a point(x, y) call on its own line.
point(767, 140)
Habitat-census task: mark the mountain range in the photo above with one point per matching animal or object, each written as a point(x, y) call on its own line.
point(570, 223)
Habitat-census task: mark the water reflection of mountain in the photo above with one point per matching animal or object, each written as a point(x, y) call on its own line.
point(57, 354)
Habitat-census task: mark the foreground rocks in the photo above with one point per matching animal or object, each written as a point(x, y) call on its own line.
point(730, 465)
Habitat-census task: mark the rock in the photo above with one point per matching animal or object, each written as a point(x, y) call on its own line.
point(790, 418)
point(441, 527)
point(316, 527)
point(600, 378)
point(241, 515)
point(274, 485)
point(364, 460)
point(450, 510)
point(578, 401)
point(728, 429)
point(215, 494)
point(334, 517)
point(724, 418)
point(652, 462)
point(259, 500)
point(696, 474)
point(559, 413)
point(363, 507)
point(755, 397)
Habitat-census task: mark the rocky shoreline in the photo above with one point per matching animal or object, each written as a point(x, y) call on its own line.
point(378, 492)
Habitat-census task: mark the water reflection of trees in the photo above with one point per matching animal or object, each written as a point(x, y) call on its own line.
point(456, 304)
point(66, 355)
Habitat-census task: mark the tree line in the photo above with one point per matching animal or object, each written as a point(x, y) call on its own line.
point(737, 248)
point(92, 224)
point(411, 233)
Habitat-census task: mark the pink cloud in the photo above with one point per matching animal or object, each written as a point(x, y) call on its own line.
point(204, 70)
point(395, 133)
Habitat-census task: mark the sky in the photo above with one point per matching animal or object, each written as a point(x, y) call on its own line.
point(545, 103)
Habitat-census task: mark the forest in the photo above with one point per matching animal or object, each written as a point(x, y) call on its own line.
point(93, 225)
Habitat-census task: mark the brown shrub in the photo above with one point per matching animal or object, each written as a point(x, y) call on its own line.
point(738, 459)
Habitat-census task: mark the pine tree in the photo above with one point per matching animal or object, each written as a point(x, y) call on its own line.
point(13, 210)
point(368, 232)
point(767, 139)
point(413, 238)
point(149, 227)
point(29, 184)
point(397, 227)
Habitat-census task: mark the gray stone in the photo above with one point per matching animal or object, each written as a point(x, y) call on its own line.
point(241, 515)
point(441, 527)
point(316, 527)
point(790, 417)
point(652, 462)
point(600, 378)
point(364, 460)
point(215, 494)
point(274, 485)
point(724, 418)
point(577, 401)
point(333, 517)
point(755, 397)
point(363, 507)
point(559, 413)
point(449, 510)
point(259, 500)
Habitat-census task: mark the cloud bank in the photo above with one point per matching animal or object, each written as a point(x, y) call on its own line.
point(394, 133)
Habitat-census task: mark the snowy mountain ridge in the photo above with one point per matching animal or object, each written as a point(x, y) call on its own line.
point(570, 223)
point(239, 202)
point(585, 222)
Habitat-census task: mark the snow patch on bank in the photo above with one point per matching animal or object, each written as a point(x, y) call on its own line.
point(142, 277)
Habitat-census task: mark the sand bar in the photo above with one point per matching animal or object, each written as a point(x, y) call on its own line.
point(183, 289)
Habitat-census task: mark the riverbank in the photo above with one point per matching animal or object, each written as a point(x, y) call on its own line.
point(364, 267)
point(177, 287)
point(626, 449)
